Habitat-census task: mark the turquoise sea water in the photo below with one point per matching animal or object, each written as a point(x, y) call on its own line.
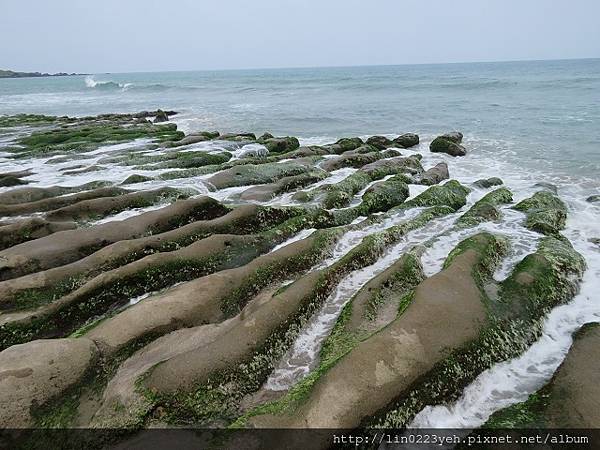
point(538, 114)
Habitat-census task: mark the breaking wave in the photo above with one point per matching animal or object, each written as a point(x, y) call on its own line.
point(90, 82)
point(109, 85)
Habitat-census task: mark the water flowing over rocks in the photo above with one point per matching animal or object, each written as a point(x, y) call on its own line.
point(150, 278)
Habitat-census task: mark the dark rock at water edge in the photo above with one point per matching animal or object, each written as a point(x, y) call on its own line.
point(380, 142)
point(238, 137)
point(407, 140)
point(135, 178)
point(593, 198)
point(486, 183)
point(161, 116)
point(11, 181)
point(345, 144)
point(547, 187)
point(448, 143)
point(279, 144)
point(436, 174)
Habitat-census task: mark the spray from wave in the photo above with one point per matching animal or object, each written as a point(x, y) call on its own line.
point(90, 82)
point(110, 85)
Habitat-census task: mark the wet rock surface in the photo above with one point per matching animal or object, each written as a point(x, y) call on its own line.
point(153, 278)
point(449, 143)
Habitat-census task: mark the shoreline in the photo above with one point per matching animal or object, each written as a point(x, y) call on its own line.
point(13, 74)
point(176, 271)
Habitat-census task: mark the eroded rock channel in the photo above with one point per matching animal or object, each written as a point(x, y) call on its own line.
point(151, 278)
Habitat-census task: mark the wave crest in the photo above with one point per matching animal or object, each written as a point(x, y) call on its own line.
point(90, 82)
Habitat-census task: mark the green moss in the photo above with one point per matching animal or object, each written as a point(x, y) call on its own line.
point(84, 135)
point(346, 144)
point(294, 182)
point(541, 200)
point(96, 302)
point(543, 279)
point(385, 195)
point(338, 343)
point(548, 222)
point(490, 249)
point(280, 270)
point(340, 194)
point(538, 283)
point(250, 174)
point(185, 160)
point(485, 209)
point(335, 347)
point(528, 414)
point(158, 276)
point(446, 381)
point(405, 279)
point(404, 302)
point(280, 144)
point(91, 324)
point(451, 193)
point(545, 213)
point(342, 340)
point(217, 399)
point(30, 298)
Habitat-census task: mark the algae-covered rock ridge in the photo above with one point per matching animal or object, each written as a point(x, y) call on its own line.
point(151, 278)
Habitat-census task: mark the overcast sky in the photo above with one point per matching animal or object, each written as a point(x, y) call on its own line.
point(154, 35)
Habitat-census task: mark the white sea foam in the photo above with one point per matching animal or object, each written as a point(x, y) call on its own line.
point(303, 355)
point(510, 382)
point(298, 237)
point(487, 157)
point(91, 82)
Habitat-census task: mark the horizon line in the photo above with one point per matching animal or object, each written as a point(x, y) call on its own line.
point(320, 67)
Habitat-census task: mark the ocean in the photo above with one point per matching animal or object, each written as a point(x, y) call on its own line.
point(538, 114)
point(526, 122)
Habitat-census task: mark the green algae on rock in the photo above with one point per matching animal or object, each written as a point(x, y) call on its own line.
point(448, 143)
point(89, 136)
point(569, 400)
point(546, 213)
point(486, 208)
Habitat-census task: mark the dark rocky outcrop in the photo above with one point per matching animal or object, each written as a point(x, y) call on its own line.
point(10, 181)
point(280, 144)
point(435, 175)
point(380, 142)
point(448, 143)
point(406, 140)
point(486, 183)
point(161, 116)
point(593, 199)
point(344, 145)
point(134, 179)
point(356, 158)
point(546, 213)
point(486, 209)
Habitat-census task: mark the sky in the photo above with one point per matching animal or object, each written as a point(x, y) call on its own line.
point(154, 35)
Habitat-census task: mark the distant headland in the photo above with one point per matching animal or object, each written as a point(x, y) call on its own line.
point(13, 74)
